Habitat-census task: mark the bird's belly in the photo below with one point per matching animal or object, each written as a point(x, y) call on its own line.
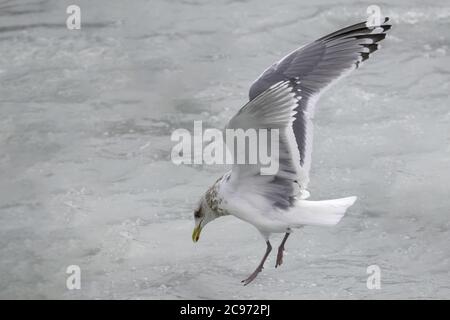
point(271, 222)
point(258, 212)
point(273, 227)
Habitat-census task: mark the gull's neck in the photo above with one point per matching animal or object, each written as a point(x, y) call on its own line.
point(214, 199)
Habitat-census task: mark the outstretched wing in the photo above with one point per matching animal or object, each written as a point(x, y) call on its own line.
point(272, 109)
point(314, 68)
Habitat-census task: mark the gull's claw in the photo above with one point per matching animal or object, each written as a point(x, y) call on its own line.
point(279, 257)
point(281, 250)
point(251, 277)
point(259, 267)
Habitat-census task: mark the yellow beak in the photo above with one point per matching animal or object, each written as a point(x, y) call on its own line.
point(196, 233)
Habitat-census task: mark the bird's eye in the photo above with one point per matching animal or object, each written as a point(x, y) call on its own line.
point(197, 214)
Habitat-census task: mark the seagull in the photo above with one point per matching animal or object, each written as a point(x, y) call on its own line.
point(283, 97)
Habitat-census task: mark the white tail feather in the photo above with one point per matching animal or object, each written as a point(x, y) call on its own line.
point(319, 213)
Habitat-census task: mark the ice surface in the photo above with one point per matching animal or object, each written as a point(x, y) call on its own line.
point(85, 170)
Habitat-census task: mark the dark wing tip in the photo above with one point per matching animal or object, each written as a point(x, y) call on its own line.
point(375, 37)
point(366, 33)
point(360, 27)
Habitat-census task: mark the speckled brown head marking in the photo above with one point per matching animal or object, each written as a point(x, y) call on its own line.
point(214, 201)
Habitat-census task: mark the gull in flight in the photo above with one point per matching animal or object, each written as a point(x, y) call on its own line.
point(284, 97)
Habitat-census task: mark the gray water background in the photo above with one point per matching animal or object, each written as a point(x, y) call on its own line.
point(85, 171)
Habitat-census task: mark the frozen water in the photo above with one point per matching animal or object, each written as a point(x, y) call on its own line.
point(85, 171)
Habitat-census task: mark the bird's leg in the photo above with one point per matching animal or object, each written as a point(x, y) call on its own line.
point(280, 250)
point(260, 266)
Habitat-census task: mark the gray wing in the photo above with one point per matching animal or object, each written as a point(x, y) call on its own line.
point(315, 67)
point(272, 109)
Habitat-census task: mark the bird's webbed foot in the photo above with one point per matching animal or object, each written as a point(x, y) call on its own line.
point(281, 250)
point(260, 266)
